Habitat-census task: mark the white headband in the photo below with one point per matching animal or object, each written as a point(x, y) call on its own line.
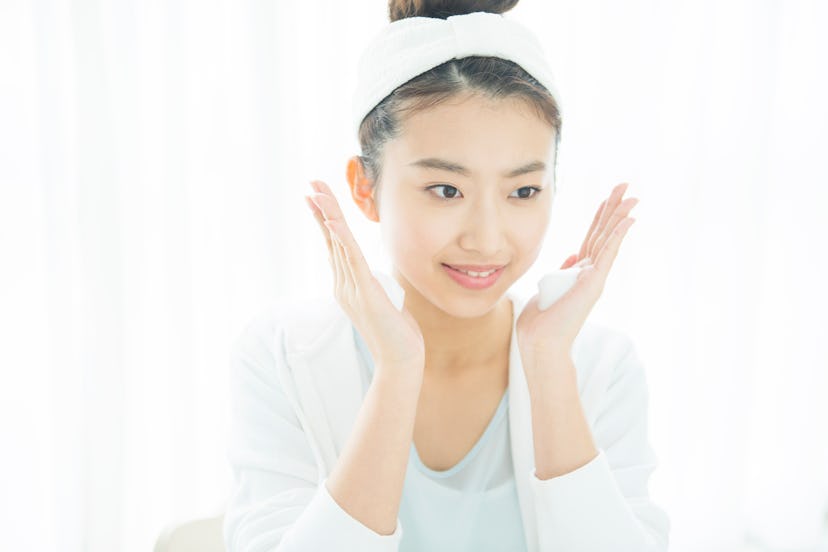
point(411, 46)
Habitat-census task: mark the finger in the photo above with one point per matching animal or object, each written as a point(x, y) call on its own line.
point(586, 261)
point(343, 283)
point(569, 262)
point(346, 261)
point(328, 207)
point(595, 219)
point(323, 188)
point(320, 218)
point(607, 255)
point(354, 258)
point(331, 207)
point(622, 211)
point(609, 208)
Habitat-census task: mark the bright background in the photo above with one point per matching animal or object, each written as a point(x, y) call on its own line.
point(153, 158)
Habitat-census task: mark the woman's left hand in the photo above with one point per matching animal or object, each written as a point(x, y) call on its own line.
point(548, 334)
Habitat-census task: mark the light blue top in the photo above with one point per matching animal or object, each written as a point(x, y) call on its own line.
point(471, 506)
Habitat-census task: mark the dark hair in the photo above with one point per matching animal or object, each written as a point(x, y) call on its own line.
point(492, 77)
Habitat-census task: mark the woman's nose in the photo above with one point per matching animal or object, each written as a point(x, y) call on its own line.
point(483, 232)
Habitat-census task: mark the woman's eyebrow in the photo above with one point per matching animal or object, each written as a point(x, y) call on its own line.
point(442, 164)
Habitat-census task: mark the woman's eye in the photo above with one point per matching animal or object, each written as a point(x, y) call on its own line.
point(451, 195)
point(530, 196)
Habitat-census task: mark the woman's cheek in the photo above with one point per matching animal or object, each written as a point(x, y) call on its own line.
point(409, 237)
point(427, 235)
point(531, 235)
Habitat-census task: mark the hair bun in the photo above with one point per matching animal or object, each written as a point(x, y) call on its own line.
point(401, 9)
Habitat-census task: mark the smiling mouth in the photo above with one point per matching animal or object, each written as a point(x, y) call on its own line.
point(475, 271)
point(472, 279)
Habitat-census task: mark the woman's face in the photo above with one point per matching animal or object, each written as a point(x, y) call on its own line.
point(448, 198)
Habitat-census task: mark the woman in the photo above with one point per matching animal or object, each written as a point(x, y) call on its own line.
point(470, 417)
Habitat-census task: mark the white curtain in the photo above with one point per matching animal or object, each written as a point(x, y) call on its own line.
point(153, 157)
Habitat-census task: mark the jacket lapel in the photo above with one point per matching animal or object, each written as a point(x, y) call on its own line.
point(520, 433)
point(323, 362)
point(593, 378)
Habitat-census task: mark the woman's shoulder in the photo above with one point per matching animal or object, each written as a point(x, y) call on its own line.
point(609, 371)
point(302, 319)
point(598, 339)
point(601, 352)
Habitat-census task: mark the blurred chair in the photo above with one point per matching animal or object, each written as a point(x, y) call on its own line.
point(200, 535)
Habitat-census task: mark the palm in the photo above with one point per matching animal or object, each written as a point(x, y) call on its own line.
point(554, 329)
point(393, 336)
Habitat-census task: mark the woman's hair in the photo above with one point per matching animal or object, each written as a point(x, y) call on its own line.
point(491, 77)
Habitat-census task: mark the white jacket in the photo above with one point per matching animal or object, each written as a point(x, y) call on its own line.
point(295, 394)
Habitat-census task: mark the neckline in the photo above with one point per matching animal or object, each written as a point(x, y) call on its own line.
point(490, 427)
point(499, 413)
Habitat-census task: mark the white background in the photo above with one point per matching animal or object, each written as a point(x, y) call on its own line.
point(153, 158)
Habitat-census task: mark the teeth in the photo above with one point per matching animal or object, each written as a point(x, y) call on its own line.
point(476, 274)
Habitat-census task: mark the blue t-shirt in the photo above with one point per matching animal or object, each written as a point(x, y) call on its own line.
point(471, 506)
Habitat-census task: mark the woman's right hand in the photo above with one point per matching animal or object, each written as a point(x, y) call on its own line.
point(393, 337)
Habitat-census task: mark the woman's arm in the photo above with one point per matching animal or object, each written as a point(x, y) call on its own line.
point(602, 505)
point(278, 504)
point(367, 480)
point(562, 438)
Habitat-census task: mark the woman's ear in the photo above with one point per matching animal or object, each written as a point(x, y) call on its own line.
point(362, 188)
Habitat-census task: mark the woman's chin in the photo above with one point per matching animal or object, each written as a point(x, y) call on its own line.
point(464, 305)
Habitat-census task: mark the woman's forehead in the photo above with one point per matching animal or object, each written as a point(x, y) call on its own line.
point(459, 143)
point(472, 116)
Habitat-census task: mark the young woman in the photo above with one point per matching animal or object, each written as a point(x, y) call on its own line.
point(469, 419)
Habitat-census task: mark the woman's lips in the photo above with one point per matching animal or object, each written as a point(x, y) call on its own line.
point(476, 268)
point(473, 282)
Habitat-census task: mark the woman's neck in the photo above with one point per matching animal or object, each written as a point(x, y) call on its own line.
point(459, 346)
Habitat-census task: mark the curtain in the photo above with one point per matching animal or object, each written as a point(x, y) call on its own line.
point(153, 158)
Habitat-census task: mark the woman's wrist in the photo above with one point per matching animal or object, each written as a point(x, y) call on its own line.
point(404, 376)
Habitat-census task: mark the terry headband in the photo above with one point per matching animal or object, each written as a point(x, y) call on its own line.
point(411, 46)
